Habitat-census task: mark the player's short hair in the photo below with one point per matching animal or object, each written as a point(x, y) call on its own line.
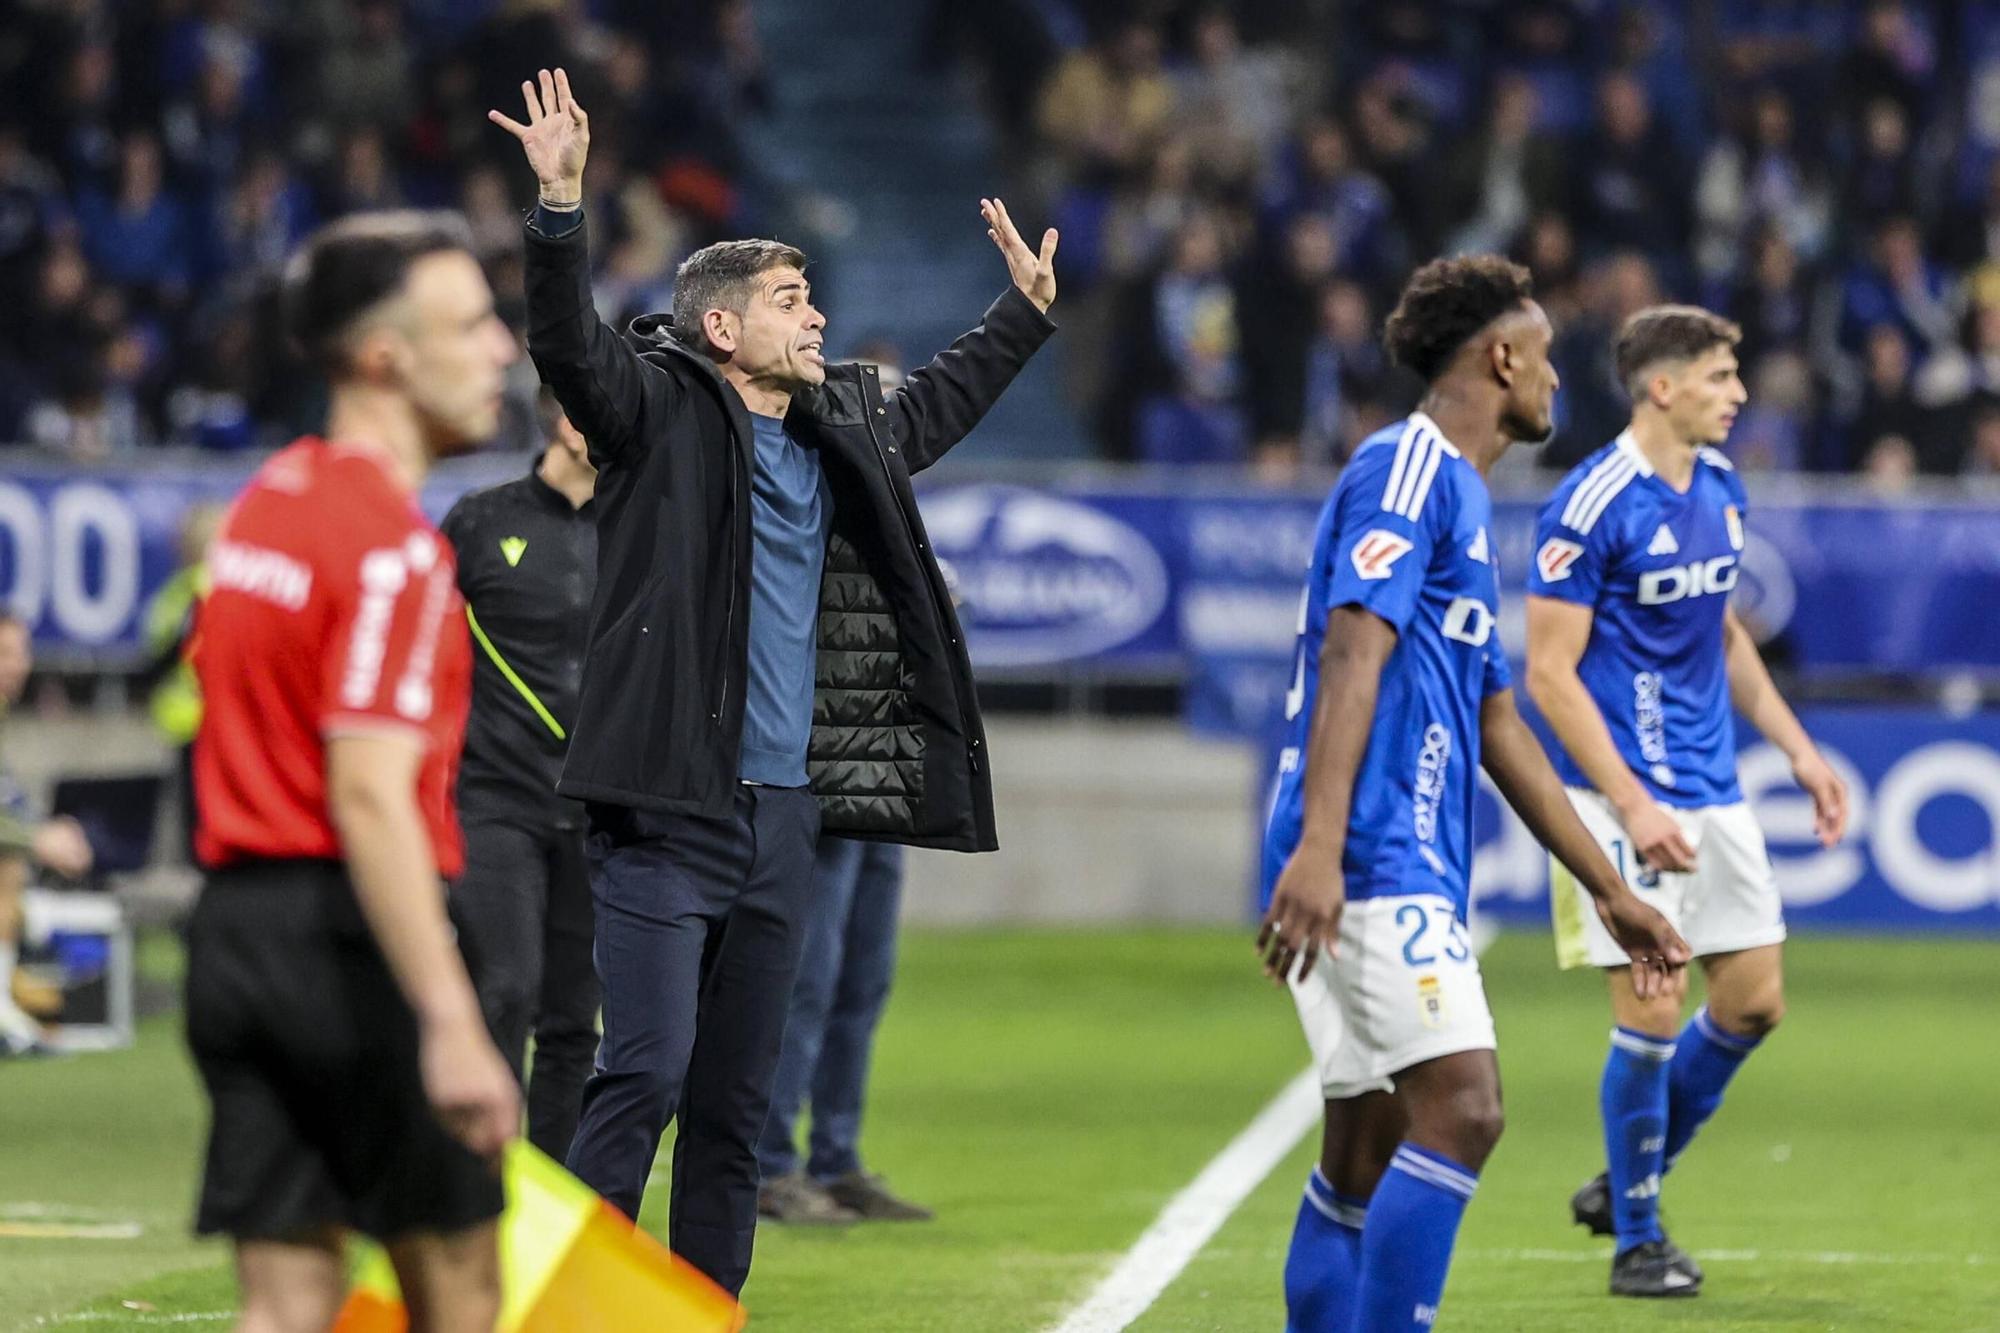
point(346, 269)
point(1668, 333)
point(1448, 301)
point(719, 277)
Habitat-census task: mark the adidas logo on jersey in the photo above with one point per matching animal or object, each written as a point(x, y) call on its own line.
point(1477, 551)
point(1664, 543)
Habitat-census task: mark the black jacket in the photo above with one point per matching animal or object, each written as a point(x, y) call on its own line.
point(527, 563)
point(897, 751)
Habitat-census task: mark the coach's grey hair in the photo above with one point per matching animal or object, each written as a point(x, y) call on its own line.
point(720, 276)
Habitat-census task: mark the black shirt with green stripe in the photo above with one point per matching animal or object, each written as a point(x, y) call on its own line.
point(527, 565)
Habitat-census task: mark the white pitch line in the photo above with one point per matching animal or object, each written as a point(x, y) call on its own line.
point(136, 1317)
point(1192, 1217)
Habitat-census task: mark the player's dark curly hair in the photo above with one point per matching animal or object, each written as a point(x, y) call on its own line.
point(1446, 302)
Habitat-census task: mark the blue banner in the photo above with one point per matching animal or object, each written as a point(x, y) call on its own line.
point(1922, 849)
point(1195, 579)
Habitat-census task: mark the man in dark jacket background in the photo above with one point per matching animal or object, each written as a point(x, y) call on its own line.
point(527, 561)
point(773, 651)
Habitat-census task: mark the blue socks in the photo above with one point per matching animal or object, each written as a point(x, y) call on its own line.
point(1633, 1100)
point(1406, 1246)
point(1706, 1060)
point(1324, 1265)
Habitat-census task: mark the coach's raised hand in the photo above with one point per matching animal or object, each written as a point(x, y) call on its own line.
point(557, 139)
point(1034, 274)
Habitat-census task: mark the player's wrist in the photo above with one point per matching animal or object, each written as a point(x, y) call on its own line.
point(447, 1011)
point(563, 196)
point(1632, 801)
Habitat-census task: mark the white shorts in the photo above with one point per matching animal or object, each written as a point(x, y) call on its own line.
point(1405, 989)
point(1729, 901)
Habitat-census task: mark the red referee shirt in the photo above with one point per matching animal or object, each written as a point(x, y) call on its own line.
point(334, 608)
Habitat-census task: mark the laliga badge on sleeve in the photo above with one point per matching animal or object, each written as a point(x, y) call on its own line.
point(1378, 551)
point(1555, 558)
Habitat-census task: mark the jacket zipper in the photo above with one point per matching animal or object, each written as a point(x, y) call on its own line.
point(868, 415)
point(729, 616)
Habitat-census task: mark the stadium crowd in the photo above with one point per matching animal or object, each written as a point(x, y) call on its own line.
point(1241, 188)
point(160, 158)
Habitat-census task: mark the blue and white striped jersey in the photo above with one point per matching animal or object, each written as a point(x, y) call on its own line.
point(1405, 536)
point(1656, 568)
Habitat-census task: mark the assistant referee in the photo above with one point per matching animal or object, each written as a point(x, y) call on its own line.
point(352, 1082)
point(527, 564)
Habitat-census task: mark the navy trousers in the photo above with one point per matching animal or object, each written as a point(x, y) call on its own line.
point(843, 983)
point(699, 928)
point(523, 914)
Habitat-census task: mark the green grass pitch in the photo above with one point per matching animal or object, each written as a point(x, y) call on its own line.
point(1048, 1092)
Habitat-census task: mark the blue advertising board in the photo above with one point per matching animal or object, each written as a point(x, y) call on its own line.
point(1100, 573)
point(1205, 582)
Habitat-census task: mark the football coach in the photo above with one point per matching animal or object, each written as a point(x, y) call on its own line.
point(773, 653)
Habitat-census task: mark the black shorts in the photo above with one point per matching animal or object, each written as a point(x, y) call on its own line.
point(309, 1053)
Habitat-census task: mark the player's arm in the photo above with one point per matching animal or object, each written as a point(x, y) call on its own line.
point(596, 376)
point(1513, 758)
point(1304, 916)
point(1558, 632)
point(371, 796)
point(1756, 696)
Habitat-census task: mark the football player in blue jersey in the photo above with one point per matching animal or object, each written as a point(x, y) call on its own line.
point(1399, 693)
point(1636, 660)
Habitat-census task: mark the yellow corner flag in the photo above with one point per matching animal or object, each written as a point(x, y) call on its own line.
point(569, 1263)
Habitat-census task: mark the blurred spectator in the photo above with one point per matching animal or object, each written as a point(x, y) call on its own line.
point(136, 233)
point(1771, 434)
point(1321, 177)
point(366, 78)
point(1591, 407)
point(1761, 179)
point(1548, 248)
point(1634, 184)
point(1982, 456)
point(1889, 466)
point(364, 180)
point(1882, 183)
point(1505, 174)
point(1898, 285)
point(1892, 62)
point(1235, 104)
point(1184, 372)
point(1773, 303)
point(1350, 389)
point(1890, 408)
point(1106, 104)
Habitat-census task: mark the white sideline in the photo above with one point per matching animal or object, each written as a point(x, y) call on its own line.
point(1194, 1215)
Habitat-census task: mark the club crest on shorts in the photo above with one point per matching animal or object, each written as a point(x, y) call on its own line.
point(1732, 518)
point(1430, 1000)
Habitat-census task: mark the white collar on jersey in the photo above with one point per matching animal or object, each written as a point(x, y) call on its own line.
point(1422, 421)
point(1630, 448)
